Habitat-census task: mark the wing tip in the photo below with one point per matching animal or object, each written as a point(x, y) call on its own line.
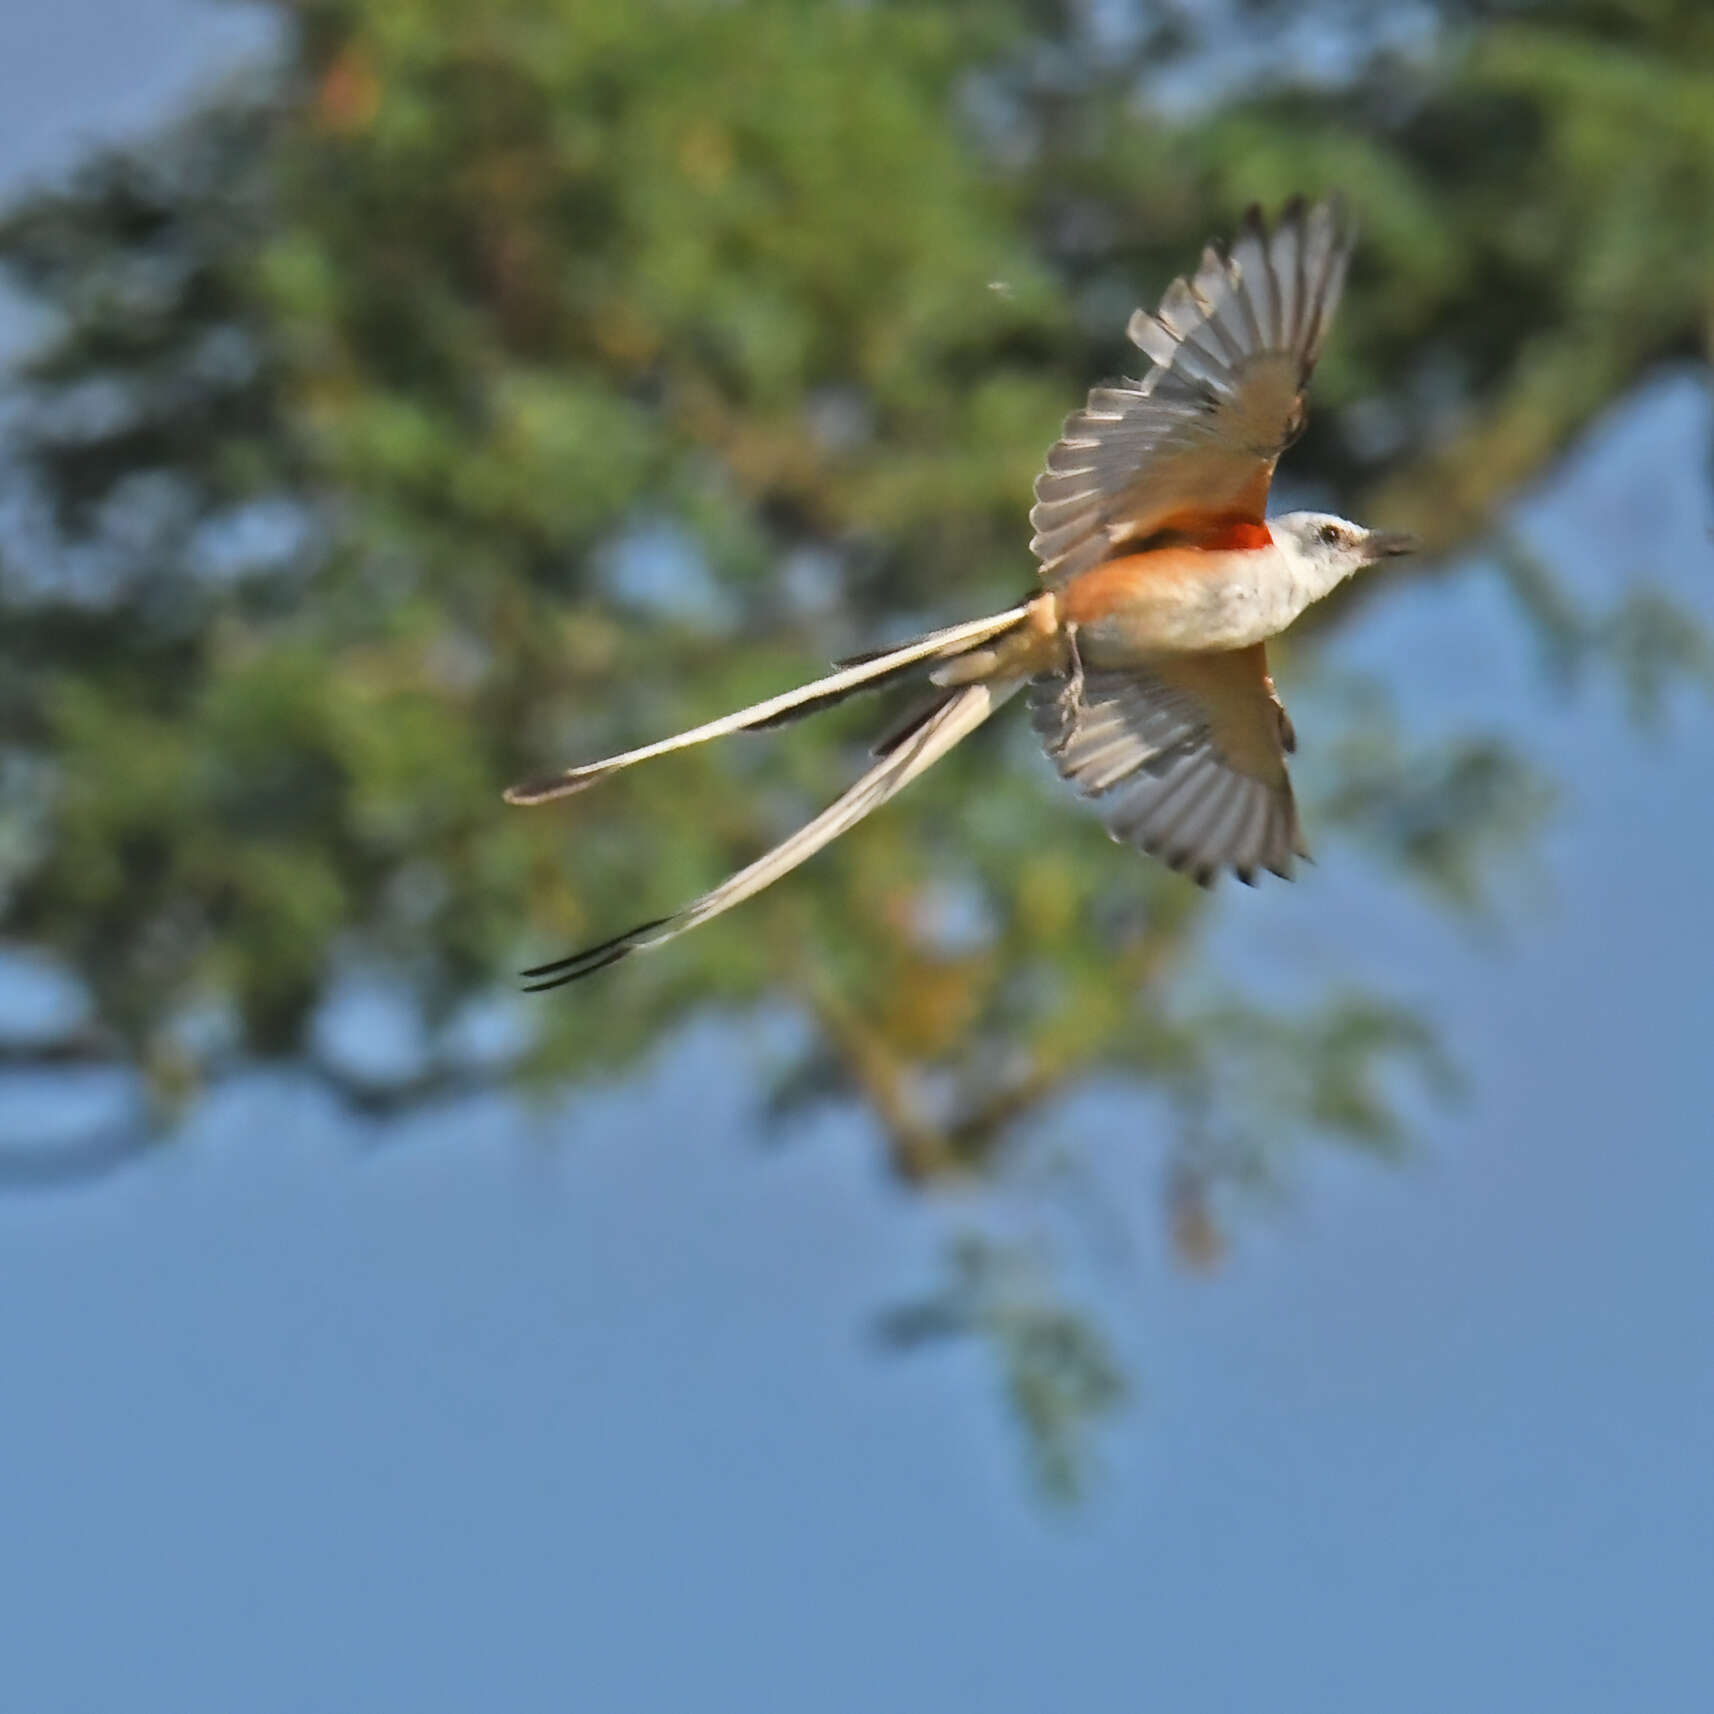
point(1232, 307)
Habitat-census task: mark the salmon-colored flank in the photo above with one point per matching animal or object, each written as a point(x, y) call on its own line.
point(1181, 560)
point(1090, 597)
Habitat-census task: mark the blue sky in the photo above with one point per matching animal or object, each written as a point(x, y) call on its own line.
point(579, 1411)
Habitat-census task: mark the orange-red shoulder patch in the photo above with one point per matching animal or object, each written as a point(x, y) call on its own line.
point(1207, 531)
point(1237, 533)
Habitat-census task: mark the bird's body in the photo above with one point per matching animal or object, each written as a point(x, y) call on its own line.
point(1184, 600)
point(1144, 653)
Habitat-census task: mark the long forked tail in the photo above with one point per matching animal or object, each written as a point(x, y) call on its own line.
point(954, 716)
point(868, 672)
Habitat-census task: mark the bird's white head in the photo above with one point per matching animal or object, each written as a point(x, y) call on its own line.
point(1322, 550)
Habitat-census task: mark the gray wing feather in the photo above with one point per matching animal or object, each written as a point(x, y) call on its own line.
point(1143, 752)
point(1231, 350)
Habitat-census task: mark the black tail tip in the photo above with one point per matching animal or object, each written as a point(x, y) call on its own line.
point(575, 966)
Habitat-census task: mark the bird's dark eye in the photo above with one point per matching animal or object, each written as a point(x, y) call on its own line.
point(1329, 533)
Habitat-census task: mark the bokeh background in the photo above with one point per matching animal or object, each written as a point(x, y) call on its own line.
point(984, 1271)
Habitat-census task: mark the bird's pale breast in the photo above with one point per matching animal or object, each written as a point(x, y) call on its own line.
point(1179, 600)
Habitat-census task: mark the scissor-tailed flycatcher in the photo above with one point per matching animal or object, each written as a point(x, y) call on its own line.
point(1145, 653)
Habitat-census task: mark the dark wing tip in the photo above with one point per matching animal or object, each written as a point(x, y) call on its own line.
point(1344, 219)
point(1298, 209)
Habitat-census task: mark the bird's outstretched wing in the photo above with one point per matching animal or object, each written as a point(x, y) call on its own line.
point(1185, 759)
point(1193, 443)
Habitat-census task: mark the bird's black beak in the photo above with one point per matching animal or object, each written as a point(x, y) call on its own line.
point(1389, 544)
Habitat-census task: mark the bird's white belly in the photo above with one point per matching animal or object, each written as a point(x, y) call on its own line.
point(1251, 598)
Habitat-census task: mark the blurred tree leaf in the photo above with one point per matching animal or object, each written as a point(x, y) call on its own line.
point(486, 387)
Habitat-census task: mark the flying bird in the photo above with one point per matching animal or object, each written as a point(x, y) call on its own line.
point(1145, 650)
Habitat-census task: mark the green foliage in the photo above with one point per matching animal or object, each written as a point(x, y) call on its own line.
point(362, 390)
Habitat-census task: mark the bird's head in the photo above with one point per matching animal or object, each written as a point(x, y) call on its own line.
point(1325, 550)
